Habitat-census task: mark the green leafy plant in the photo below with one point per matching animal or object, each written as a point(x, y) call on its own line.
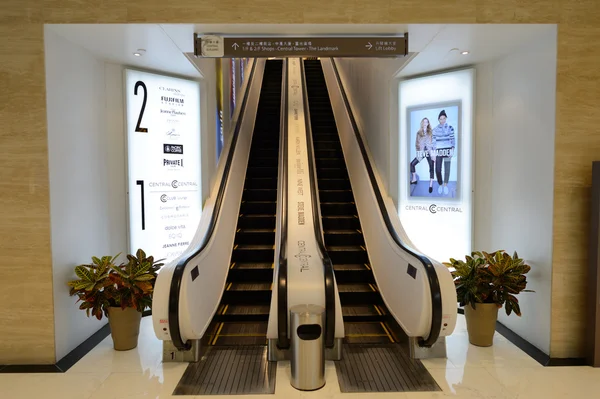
point(103, 284)
point(91, 286)
point(490, 278)
point(133, 282)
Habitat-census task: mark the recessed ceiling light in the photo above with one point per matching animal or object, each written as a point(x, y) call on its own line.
point(464, 52)
point(139, 52)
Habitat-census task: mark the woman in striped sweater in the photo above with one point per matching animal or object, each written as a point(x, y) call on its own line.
point(443, 144)
point(425, 149)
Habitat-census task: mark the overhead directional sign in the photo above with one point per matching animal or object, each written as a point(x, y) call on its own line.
point(324, 46)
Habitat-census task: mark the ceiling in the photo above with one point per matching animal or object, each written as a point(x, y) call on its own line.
point(166, 44)
point(484, 43)
point(117, 43)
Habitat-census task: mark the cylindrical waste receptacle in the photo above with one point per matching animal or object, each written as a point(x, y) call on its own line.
point(308, 346)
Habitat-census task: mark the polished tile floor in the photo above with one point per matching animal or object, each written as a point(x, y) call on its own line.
point(502, 371)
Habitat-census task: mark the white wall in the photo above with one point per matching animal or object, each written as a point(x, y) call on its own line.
point(372, 90)
point(87, 164)
point(86, 200)
point(514, 158)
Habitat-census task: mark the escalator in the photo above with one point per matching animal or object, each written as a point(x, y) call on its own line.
point(243, 313)
point(366, 318)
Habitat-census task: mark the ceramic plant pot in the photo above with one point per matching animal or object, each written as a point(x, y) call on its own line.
point(481, 323)
point(124, 327)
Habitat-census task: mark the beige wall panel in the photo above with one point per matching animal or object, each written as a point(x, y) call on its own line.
point(433, 11)
point(84, 11)
point(577, 145)
point(518, 11)
point(24, 221)
point(26, 307)
point(225, 11)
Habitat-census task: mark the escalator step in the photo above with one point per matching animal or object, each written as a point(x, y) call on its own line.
point(338, 208)
point(345, 254)
point(255, 237)
point(341, 222)
point(363, 310)
point(336, 195)
point(367, 333)
point(249, 286)
point(332, 137)
point(263, 194)
point(343, 237)
point(251, 265)
point(357, 288)
point(253, 183)
point(262, 171)
point(256, 222)
point(245, 313)
point(330, 163)
point(258, 207)
point(253, 253)
point(334, 184)
point(328, 145)
point(351, 267)
point(332, 173)
point(240, 333)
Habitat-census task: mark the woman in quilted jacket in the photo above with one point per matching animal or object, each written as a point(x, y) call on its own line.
point(424, 146)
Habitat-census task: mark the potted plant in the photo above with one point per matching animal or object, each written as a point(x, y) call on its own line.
point(119, 292)
point(485, 283)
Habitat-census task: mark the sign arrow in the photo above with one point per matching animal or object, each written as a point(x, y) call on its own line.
point(368, 45)
point(235, 46)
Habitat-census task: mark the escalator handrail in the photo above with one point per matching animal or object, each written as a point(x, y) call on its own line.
point(328, 272)
point(177, 278)
point(283, 341)
point(434, 283)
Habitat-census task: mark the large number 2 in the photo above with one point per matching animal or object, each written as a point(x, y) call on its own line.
point(135, 90)
point(141, 184)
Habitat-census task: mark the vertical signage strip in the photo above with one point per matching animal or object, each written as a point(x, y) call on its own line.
point(163, 143)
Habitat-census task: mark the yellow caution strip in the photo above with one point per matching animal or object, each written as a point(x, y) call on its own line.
point(387, 332)
point(228, 287)
point(232, 265)
point(214, 341)
point(225, 309)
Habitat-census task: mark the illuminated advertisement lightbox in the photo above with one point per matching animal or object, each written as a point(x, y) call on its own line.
point(436, 162)
point(163, 147)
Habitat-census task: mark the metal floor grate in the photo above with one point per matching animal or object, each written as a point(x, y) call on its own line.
point(381, 368)
point(230, 370)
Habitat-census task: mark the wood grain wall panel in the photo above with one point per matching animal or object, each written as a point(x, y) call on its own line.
point(337, 11)
point(24, 221)
point(433, 11)
point(225, 11)
point(518, 11)
point(26, 299)
point(84, 11)
point(580, 12)
point(577, 144)
point(20, 11)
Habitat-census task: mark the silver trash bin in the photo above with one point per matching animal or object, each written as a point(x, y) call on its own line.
point(308, 347)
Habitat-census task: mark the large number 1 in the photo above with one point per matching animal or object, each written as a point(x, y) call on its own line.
point(135, 90)
point(141, 184)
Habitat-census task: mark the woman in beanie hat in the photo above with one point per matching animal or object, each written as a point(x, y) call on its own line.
point(443, 143)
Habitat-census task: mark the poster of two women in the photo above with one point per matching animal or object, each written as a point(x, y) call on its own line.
point(434, 139)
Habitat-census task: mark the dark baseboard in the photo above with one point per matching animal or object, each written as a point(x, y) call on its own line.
point(532, 350)
point(69, 360)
